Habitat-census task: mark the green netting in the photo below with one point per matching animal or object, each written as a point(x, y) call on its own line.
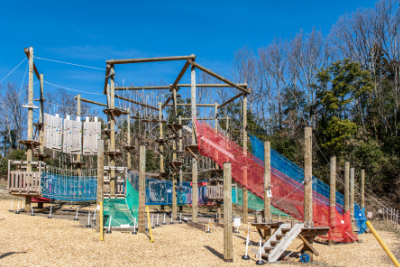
point(254, 202)
point(123, 211)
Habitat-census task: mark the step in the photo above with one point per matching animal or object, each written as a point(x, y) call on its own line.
point(268, 248)
point(285, 229)
point(256, 251)
point(279, 236)
point(273, 243)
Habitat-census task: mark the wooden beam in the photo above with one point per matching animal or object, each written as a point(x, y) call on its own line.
point(267, 181)
point(163, 87)
point(143, 60)
point(362, 189)
point(332, 195)
point(91, 102)
point(228, 237)
point(204, 119)
point(220, 78)
point(346, 186)
point(188, 105)
point(142, 190)
point(308, 201)
point(136, 102)
point(185, 67)
point(306, 243)
point(26, 50)
point(231, 100)
point(108, 68)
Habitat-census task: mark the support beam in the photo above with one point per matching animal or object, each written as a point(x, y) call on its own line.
point(188, 105)
point(332, 195)
point(184, 69)
point(267, 181)
point(220, 77)
point(142, 190)
point(91, 102)
point(362, 189)
point(308, 201)
point(78, 115)
point(136, 102)
point(216, 132)
point(108, 69)
point(352, 194)
point(143, 60)
point(112, 135)
point(204, 119)
point(27, 53)
point(244, 133)
point(161, 137)
point(228, 236)
point(231, 100)
point(100, 177)
point(29, 151)
point(194, 160)
point(128, 155)
point(41, 118)
point(346, 186)
point(174, 173)
point(180, 149)
point(164, 87)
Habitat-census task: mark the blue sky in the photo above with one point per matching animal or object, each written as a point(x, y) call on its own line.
point(91, 32)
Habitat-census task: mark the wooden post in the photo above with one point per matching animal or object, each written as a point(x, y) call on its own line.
point(308, 197)
point(352, 194)
point(346, 186)
point(194, 161)
point(41, 117)
point(100, 178)
point(180, 150)
point(227, 126)
point(362, 189)
point(308, 208)
point(112, 135)
point(245, 194)
point(267, 181)
point(332, 196)
point(29, 150)
point(228, 237)
point(78, 114)
point(216, 131)
point(142, 190)
point(174, 199)
point(128, 155)
point(161, 137)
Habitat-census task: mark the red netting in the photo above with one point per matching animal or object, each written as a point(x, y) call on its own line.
point(287, 194)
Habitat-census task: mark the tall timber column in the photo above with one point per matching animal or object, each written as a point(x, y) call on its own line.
point(142, 189)
point(112, 135)
point(308, 211)
point(267, 181)
point(346, 186)
point(161, 137)
point(41, 118)
point(174, 174)
point(216, 131)
point(332, 196)
point(29, 151)
point(78, 115)
point(308, 200)
point(362, 189)
point(228, 237)
point(180, 151)
point(352, 194)
point(100, 178)
point(244, 135)
point(128, 155)
point(194, 160)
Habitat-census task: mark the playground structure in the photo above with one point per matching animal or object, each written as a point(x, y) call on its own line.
point(264, 177)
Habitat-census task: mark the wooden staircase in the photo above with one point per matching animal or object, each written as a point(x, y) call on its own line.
point(279, 241)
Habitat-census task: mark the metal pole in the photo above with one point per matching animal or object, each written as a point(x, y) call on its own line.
point(112, 136)
point(100, 177)
point(267, 181)
point(142, 190)
point(332, 196)
point(244, 135)
point(194, 161)
point(346, 186)
point(228, 237)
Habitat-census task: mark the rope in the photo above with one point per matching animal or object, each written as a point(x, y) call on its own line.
point(72, 89)
point(70, 63)
point(13, 70)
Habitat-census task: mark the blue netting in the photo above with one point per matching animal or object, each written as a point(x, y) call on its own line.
point(159, 192)
point(359, 215)
point(68, 188)
point(291, 170)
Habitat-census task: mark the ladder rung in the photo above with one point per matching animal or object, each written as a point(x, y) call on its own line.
point(280, 236)
point(268, 248)
point(274, 242)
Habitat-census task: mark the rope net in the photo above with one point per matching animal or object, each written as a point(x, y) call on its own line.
point(287, 193)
